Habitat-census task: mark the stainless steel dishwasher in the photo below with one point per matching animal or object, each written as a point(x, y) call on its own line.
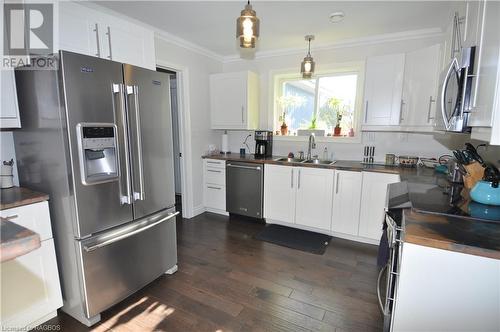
point(245, 188)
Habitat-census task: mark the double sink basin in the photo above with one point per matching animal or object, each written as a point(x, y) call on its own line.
point(305, 161)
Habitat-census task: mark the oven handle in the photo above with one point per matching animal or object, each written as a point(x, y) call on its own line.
point(381, 306)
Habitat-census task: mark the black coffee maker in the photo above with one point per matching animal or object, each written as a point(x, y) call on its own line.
point(263, 143)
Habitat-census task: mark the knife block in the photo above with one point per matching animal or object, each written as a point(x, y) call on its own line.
point(475, 172)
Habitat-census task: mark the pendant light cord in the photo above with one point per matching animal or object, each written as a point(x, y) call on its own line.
point(309, 47)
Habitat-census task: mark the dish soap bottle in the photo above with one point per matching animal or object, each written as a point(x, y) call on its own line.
point(325, 153)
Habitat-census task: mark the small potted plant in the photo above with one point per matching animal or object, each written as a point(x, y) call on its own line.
point(337, 130)
point(288, 104)
point(284, 127)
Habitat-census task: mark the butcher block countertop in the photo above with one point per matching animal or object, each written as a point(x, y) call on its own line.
point(16, 240)
point(453, 233)
point(18, 196)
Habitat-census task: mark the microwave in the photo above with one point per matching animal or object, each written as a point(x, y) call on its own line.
point(454, 97)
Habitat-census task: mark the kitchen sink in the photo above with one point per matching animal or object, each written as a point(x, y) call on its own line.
point(290, 160)
point(319, 162)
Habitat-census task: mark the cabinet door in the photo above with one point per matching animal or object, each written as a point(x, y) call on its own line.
point(228, 100)
point(346, 202)
point(313, 205)
point(383, 89)
point(279, 193)
point(472, 27)
point(373, 196)
point(487, 94)
point(420, 86)
point(128, 43)
point(9, 111)
point(79, 30)
point(30, 287)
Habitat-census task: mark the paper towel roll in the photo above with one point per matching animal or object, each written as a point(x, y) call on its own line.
point(225, 143)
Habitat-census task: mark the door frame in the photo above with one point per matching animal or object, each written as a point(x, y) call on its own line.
point(184, 123)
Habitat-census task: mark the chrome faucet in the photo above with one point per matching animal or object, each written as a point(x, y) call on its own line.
point(312, 145)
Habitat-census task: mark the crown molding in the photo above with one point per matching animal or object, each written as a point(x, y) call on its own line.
point(169, 38)
point(354, 42)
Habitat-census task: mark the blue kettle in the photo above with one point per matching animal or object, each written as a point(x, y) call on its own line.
point(487, 191)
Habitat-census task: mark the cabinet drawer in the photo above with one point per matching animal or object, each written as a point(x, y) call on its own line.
point(215, 176)
point(215, 196)
point(215, 163)
point(30, 287)
point(35, 217)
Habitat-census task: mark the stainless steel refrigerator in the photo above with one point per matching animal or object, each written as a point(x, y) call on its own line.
point(97, 136)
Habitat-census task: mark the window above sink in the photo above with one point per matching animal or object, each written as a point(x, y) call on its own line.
point(332, 98)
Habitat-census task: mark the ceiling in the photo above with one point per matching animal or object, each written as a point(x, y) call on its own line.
point(212, 25)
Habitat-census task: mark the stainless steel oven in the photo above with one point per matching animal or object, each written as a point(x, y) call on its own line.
point(455, 93)
point(388, 276)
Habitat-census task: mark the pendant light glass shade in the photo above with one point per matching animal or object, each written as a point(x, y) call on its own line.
point(247, 27)
point(307, 65)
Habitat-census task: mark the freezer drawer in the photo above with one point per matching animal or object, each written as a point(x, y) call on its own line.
point(120, 262)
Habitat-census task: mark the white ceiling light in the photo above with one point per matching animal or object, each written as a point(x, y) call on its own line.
point(336, 17)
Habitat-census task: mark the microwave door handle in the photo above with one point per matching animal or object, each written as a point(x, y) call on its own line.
point(379, 296)
point(462, 93)
point(124, 198)
point(451, 70)
point(134, 90)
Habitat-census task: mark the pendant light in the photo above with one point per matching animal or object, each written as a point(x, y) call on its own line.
point(247, 27)
point(307, 65)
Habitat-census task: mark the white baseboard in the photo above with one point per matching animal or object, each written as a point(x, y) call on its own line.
point(197, 210)
point(221, 212)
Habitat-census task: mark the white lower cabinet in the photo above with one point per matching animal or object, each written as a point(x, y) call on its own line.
point(31, 293)
point(313, 204)
point(279, 193)
point(298, 195)
point(346, 202)
point(214, 185)
point(373, 197)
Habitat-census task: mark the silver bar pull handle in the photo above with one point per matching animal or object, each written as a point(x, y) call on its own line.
point(298, 181)
point(337, 184)
point(366, 111)
point(124, 199)
point(258, 168)
point(108, 33)
point(213, 171)
point(216, 188)
point(96, 30)
point(242, 114)
point(129, 234)
point(401, 108)
point(431, 100)
point(291, 178)
point(134, 90)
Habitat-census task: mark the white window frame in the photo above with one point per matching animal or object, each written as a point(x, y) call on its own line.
point(277, 78)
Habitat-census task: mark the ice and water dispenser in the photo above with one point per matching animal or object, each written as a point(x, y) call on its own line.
point(98, 152)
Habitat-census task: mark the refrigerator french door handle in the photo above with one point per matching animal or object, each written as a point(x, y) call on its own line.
point(134, 90)
point(124, 199)
point(129, 234)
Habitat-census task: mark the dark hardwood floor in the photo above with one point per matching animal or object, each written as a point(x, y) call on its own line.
point(228, 281)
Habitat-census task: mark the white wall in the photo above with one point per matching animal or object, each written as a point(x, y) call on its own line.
point(7, 151)
point(198, 69)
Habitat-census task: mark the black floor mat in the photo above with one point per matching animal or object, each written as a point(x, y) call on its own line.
point(314, 243)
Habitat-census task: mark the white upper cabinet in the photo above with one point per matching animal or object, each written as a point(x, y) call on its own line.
point(346, 202)
point(234, 100)
point(91, 32)
point(9, 112)
point(420, 87)
point(383, 90)
point(373, 197)
point(485, 115)
point(313, 205)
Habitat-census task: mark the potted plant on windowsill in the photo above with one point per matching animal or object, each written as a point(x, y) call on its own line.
point(288, 104)
point(337, 130)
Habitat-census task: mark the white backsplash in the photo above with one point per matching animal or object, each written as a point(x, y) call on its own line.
point(422, 145)
point(7, 151)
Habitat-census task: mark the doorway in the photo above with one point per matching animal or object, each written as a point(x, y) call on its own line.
point(174, 107)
